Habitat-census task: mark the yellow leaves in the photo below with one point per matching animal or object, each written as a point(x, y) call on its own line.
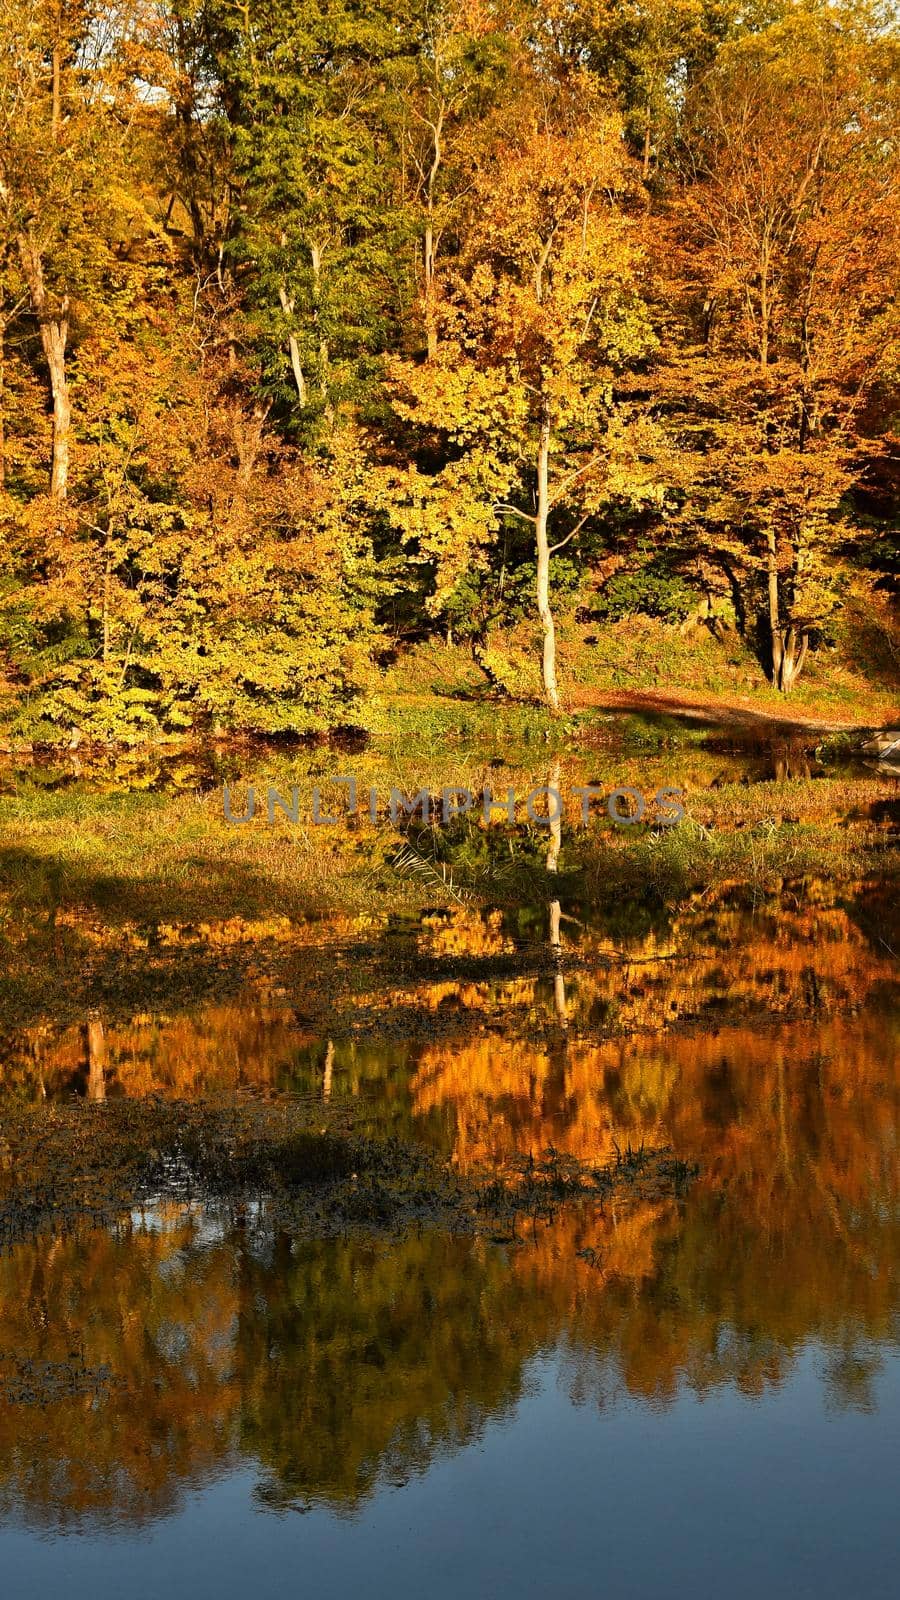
point(446, 516)
point(553, 179)
point(541, 308)
point(458, 396)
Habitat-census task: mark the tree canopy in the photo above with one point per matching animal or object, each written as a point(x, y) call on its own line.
point(325, 329)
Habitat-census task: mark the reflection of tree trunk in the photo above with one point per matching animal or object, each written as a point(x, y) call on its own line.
point(329, 1068)
point(98, 1059)
point(555, 813)
point(554, 846)
point(559, 982)
point(792, 763)
point(543, 565)
point(36, 1048)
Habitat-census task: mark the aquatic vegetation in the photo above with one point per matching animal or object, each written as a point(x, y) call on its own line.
point(296, 1164)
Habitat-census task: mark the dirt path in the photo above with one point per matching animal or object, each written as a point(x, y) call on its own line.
point(741, 713)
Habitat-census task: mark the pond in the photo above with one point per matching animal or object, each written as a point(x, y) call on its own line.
point(667, 1388)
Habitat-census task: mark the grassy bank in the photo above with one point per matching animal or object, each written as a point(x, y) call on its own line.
point(642, 662)
point(641, 665)
point(137, 897)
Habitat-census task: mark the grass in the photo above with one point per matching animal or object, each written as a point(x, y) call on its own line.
point(641, 656)
point(128, 888)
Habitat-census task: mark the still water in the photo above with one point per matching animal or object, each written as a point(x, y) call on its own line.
point(670, 1394)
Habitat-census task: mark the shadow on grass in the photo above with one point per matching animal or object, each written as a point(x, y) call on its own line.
point(700, 713)
point(196, 889)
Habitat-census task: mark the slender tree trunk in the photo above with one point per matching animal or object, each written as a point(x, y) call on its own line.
point(430, 321)
point(55, 350)
point(551, 691)
point(789, 647)
point(429, 247)
point(54, 331)
point(315, 251)
point(774, 614)
point(555, 907)
point(2, 404)
point(287, 306)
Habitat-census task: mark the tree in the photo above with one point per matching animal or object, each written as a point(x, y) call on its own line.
point(450, 95)
point(517, 408)
point(203, 577)
point(311, 237)
point(649, 51)
point(67, 102)
point(790, 218)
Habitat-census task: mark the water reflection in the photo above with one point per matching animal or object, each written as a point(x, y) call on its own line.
point(164, 1351)
point(334, 1368)
point(759, 1042)
point(117, 1381)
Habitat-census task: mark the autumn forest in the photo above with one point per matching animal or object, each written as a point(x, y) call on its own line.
point(329, 331)
point(449, 811)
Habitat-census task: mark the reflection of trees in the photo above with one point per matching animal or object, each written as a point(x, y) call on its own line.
point(125, 1340)
point(718, 962)
point(791, 1231)
point(219, 1049)
point(340, 1365)
point(358, 1362)
point(336, 1366)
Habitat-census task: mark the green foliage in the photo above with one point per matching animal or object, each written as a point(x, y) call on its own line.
point(650, 591)
point(300, 304)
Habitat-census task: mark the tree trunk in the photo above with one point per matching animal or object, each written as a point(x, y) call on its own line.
point(429, 247)
point(430, 320)
point(774, 615)
point(55, 351)
point(793, 656)
point(287, 306)
point(551, 691)
point(324, 355)
point(555, 909)
point(54, 333)
point(2, 402)
point(789, 646)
